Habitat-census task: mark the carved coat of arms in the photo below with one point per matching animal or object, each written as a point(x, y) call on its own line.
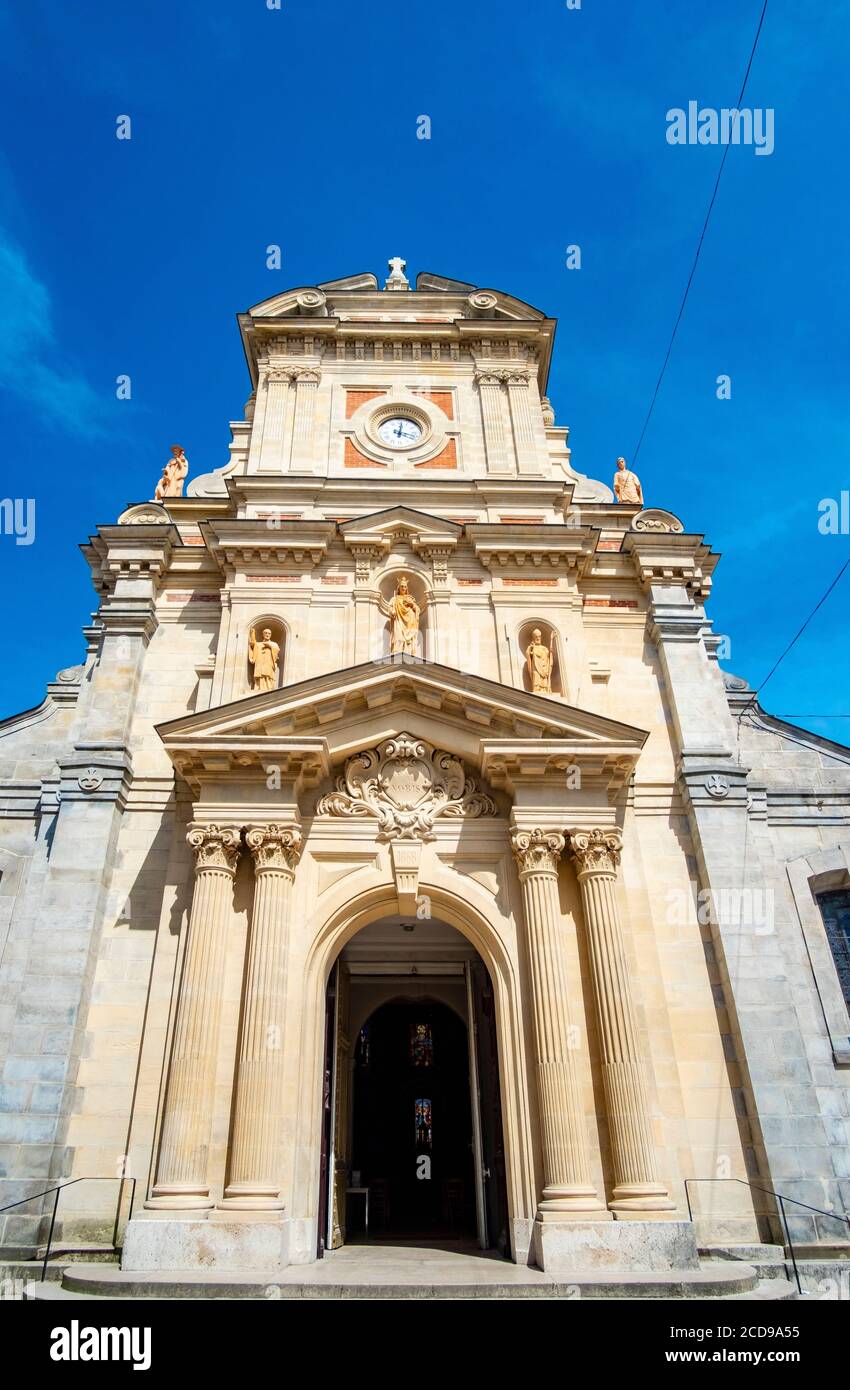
point(405, 784)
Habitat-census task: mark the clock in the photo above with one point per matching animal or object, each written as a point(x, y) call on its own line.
point(399, 432)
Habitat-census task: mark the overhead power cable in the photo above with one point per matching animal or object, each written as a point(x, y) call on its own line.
point(794, 640)
point(699, 246)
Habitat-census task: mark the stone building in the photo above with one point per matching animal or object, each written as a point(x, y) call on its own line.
point(400, 840)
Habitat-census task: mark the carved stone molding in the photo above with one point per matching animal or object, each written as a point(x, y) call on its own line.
point(275, 846)
point(537, 851)
point(405, 784)
point(293, 373)
point(214, 846)
point(144, 514)
point(596, 851)
point(655, 519)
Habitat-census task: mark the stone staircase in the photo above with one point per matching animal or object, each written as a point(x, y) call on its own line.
point(360, 1273)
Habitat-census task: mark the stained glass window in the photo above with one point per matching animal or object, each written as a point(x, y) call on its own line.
point(421, 1045)
point(423, 1124)
point(835, 910)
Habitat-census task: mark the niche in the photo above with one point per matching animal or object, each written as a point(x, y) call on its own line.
point(544, 635)
point(407, 632)
point(266, 672)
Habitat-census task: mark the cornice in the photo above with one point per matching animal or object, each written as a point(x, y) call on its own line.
point(502, 544)
point(671, 558)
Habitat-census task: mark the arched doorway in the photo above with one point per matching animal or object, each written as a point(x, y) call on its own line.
point(412, 1146)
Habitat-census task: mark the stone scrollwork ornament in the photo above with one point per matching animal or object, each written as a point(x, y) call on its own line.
point(596, 851)
point(537, 851)
point(214, 846)
point(275, 846)
point(405, 784)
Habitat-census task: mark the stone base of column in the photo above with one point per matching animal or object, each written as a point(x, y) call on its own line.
point(168, 1242)
point(640, 1199)
point(576, 1247)
point(178, 1197)
point(250, 1197)
point(558, 1203)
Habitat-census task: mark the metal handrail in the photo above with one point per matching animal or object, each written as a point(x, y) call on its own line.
point(781, 1199)
point(59, 1189)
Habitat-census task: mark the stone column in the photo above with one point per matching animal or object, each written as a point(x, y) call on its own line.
point(306, 387)
point(637, 1188)
point(520, 408)
point(277, 381)
point(254, 1156)
point(567, 1186)
point(182, 1179)
point(490, 390)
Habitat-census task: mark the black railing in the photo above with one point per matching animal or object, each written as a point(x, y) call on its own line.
point(781, 1199)
point(58, 1191)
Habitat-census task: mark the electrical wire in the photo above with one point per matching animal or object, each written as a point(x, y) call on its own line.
point(699, 246)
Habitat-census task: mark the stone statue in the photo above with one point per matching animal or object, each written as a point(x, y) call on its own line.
point(404, 612)
point(173, 475)
point(540, 660)
point(263, 656)
point(627, 486)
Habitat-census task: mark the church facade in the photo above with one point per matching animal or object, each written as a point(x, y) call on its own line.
point(400, 859)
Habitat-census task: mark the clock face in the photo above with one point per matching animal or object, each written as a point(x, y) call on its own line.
point(400, 432)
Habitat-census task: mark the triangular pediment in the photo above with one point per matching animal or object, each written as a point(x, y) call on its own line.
point(320, 721)
point(400, 523)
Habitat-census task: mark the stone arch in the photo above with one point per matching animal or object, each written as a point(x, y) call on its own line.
point(335, 927)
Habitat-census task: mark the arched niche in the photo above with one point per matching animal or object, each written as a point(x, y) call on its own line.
point(420, 592)
point(277, 627)
point(550, 639)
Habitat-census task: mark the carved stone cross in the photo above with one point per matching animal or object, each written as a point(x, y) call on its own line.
point(397, 279)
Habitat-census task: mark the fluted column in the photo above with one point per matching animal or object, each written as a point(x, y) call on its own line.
point(637, 1188)
point(306, 387)
point(492, 414)
point(567, 1186)
point(182, 1179)
point(520, 408)
point(256, 1129)
point(277, 387)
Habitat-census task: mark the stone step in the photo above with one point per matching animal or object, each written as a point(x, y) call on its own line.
point(82, 1250)
point(750, 1254)
point(718, 1280)
point(30, 1270)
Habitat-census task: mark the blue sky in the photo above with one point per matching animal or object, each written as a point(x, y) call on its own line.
point(298, 127)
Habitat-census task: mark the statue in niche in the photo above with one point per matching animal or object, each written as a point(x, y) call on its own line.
point(540, 661)
point(627, 486)
point(173, 475)
point(404, 612)
point(263, 656)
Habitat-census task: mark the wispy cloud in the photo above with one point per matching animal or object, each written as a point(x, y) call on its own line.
point(32, 365)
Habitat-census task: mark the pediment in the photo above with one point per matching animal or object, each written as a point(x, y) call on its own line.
point(317, 723)
point(387, 527)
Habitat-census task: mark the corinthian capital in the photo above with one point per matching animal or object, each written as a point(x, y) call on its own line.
point(596, 851)
point(214, 846)
point(275, 846)
point(537, 851)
